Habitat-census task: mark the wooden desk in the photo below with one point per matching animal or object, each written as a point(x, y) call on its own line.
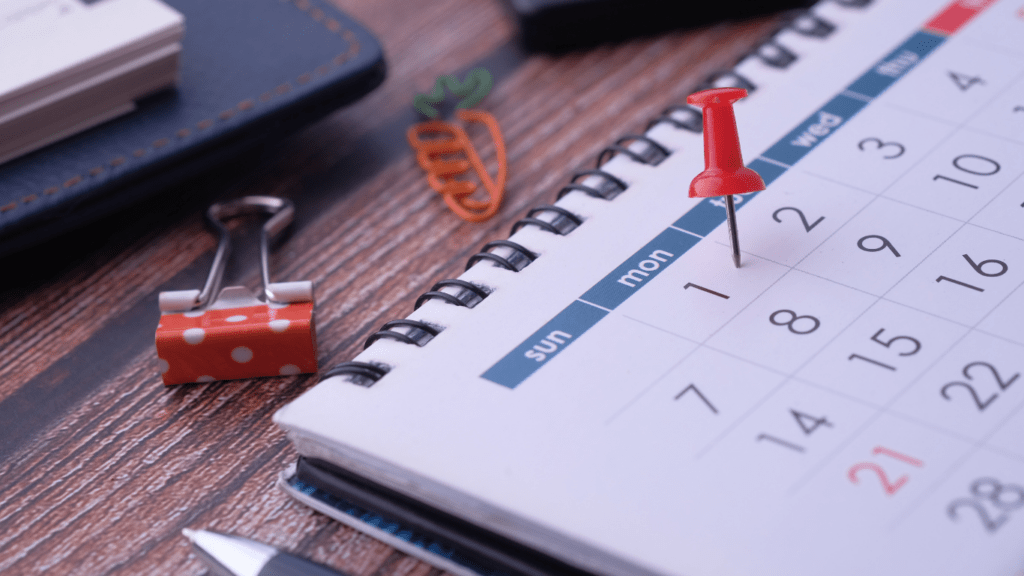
point(101, 466)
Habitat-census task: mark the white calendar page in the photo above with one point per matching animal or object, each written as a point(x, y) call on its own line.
point(850, 401)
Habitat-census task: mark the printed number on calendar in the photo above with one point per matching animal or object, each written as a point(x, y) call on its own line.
point(987, 377)
point(988, 493)
point(808, 225)
point(909, 344)
point(970, 167)
point(887, 456)
point(876, 243)
point(808, 424)
point(700, 395)
point(800, 325)
point(995, 269)
point(965, 81)
point(888, 150)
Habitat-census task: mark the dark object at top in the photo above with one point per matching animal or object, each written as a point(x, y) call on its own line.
point(558, 25)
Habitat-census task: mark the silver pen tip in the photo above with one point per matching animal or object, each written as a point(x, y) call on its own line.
point(190, 534)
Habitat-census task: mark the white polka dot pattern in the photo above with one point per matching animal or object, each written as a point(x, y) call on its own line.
point(241, 354)
point(194, 335)
point(239, 342)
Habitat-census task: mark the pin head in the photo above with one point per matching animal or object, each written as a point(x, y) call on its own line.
point(714, 96)
point(724, 172)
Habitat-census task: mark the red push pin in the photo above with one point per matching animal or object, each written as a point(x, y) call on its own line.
point(724, 173)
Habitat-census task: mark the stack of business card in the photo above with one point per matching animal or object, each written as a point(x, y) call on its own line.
point(67, 65)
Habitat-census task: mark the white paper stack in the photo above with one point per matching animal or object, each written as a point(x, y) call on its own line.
point(68, 65)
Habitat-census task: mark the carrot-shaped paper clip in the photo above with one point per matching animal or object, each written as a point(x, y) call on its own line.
point(436, 142)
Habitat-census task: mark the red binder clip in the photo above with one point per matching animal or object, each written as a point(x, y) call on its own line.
point(202, 338)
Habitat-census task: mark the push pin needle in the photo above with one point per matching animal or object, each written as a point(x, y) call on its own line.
point(724, 173)
point(734, 236)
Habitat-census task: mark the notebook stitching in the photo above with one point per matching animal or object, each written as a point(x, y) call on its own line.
point(306, 6)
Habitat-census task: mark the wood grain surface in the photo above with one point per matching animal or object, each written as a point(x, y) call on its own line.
point(101, 466)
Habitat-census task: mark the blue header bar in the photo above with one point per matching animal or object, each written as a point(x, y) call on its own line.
point(544, 344)
point(837, 111)
point(640, 268)
point(703, 218)
point(896, 64)
point(809, 133)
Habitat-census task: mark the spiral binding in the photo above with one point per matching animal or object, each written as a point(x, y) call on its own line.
point(562, 221)
point(468, 296)
point(519, 259)
point(610, 186)
point(419, 334)
point(362, 373)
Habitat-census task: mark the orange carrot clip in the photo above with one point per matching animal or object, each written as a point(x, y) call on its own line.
point(433, 155)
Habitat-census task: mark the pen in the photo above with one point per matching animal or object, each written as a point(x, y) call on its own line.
point(236, 556)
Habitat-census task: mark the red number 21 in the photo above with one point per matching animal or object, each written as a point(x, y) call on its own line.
point(889, 487)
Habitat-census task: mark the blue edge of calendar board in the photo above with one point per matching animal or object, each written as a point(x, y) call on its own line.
point(643, 266)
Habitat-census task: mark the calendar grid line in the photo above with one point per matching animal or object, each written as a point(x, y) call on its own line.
point(861, 290)
point(1004, 452)
point(992, 47)
point(883, 297)
point(932, 487)
point(799, 484)
point(598, 306)
point(959, 125)
point(891, 406)
point(710, 347)
point(687, 232)
point(887, 408)
point(861, 414)
point(904, 304)
point(857, 95)
point(1019, 178)
point(775, 162)
point(897, 303)
point(827, 178)
point(993, 135)
point(981, 443)
point(735, 424)
point(788, 377)
point(969, 330)
point(841, 332)
point(699, 344)
point(794, 377)
point(872, 201)
point(920, 114)
point(657, 380)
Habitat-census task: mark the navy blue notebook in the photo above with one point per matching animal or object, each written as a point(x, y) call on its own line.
point(251, 70)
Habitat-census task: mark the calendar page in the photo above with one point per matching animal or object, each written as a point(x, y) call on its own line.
point(849, 401)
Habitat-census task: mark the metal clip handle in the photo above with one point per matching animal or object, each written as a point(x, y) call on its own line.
point(282, 211)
